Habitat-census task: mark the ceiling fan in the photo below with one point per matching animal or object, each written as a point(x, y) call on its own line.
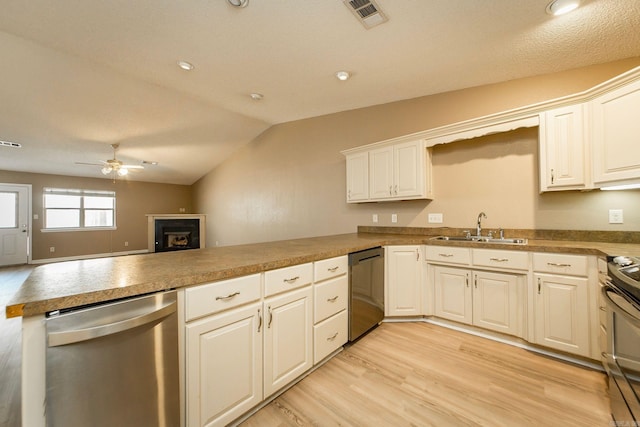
point(114, 166)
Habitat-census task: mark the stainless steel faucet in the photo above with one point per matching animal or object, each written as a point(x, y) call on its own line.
point(479, 227)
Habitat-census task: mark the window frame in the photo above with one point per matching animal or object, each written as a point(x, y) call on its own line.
point(81, 193)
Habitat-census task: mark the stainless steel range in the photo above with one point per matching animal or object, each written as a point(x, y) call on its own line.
point(622, 357)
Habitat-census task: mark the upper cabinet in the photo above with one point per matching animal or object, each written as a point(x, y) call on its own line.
point(616, 136)
point(563, 149)
point(388, 171)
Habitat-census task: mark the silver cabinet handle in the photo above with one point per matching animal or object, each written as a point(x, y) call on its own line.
point(292, 280)
point(259, 320)
point(332, 299)
point(445, 255)
point(467, 280)
point(603, 308)
point(396, 190)
point(475, 281)
point(333, 269)
point(558, 264)
point(235, 294)
point(417, 254)
point(270, 318)
point(552, 176)
point(390, 190)
point(349, 195)
point(333, 337)
point(499, 259)
point(539, 286)
point(77, 335)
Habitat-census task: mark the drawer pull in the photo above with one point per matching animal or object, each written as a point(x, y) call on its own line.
point(333, 269)
point(235, 294)
point(445, 255)
point(333, 337)
point(558, 264)
point(292, 280)
point(603, 308)
point(332, 299)
point(259, 320)
point(499, 259)
point(270, 317)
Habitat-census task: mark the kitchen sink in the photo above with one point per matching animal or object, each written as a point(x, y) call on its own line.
point(513, 241)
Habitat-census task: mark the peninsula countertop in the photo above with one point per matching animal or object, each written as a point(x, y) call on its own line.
point(74, 283)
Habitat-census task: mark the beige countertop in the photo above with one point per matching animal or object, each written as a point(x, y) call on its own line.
point(74, 283)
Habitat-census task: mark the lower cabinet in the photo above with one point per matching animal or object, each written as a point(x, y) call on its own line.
point(486, 299)
point(562, 313)
point(288, 338)
point(223, 366)
point(403, 281)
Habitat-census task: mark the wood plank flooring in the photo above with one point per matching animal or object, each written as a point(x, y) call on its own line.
point(10, 352)
point(418, 374)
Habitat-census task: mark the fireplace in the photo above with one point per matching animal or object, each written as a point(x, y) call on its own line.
point(175, 232)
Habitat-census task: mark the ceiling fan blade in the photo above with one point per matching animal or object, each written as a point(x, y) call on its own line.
point(132, 167)
point(90, 164)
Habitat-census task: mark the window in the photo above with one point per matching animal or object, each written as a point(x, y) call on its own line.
point(66, 209)
point(8, 210)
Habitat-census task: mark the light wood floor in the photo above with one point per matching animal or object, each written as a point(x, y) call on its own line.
point(417, 374)
point(10, 341)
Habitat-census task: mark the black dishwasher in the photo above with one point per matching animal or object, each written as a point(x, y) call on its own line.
point(366, 291)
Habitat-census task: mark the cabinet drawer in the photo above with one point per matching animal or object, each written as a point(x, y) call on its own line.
point(214, 297)
point(574, 265)
point(450, 255)
point(285, 279)
point(328, 268)
point(500, 258)
point(329, 298)
point(329, 335)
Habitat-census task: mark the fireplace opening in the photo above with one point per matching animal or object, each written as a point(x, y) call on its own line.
point(177, 234)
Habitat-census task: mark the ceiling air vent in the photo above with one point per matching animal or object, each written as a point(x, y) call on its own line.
point(10, 144)
point(367, 12)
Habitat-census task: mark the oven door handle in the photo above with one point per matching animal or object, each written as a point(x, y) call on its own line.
point(632, 317)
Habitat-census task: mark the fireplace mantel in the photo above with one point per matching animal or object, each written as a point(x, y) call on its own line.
point(151, 226)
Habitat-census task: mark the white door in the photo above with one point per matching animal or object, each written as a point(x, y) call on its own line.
point(15, 200)
point(452, 294)
point(495, 301)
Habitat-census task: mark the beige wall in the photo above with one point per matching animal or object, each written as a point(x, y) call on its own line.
point(133, 201)
point(290, 181)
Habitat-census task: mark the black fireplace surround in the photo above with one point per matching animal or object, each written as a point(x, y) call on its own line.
point(177, 234)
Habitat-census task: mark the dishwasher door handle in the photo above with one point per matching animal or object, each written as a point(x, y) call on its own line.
point(78, 335)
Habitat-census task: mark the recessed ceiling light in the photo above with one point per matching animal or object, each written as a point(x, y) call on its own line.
point(238, 3)
point(343, 75)
point(256, 96)
point(187, 66)
point(560, 7)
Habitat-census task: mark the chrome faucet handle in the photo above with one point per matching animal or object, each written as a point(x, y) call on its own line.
point(501, 231)
point(490, 234)
point(467, 234)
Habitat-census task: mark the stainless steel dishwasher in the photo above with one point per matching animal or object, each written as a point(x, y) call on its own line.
point(366, 291)
point(114, 364)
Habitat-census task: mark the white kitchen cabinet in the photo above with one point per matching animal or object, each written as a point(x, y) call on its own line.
point(615, 130)
point(563, 147)
point(403, 281)
point(396, 171)
point(223, 365)
point(453, 294)
point(496, 301)
point(288, 338)
point(358, 177)
point(562, 313)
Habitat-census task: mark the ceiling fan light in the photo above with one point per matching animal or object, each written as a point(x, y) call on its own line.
point(123, 172)
point(106, 170)
point(560, 7)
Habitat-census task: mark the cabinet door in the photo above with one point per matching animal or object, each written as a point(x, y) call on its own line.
point(403, 282)
point(288, 338)
point(223, 366)
point(381, 173)
point(408, 169)
point(496, 305)
point(616, 127)
point(562, 154)
point(357, 177)
point(452, 294)
point(562, 313)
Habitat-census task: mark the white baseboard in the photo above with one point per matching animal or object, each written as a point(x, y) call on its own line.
point(91, 256)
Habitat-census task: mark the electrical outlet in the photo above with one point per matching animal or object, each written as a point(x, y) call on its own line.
point(182, 210)
point(126, 244)
point(375, 218)
point(35, 216)
point(616, 216)
point(435, 218)
point(52, 249)
point(394, 217)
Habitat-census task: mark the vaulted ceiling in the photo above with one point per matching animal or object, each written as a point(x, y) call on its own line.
point(77, 76)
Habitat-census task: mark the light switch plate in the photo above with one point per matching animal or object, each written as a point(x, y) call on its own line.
point(435, 218)
point(394, 217)
point(616, 216)
point(375, 218)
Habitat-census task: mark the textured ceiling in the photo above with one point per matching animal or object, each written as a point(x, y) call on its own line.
point(79, 75)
